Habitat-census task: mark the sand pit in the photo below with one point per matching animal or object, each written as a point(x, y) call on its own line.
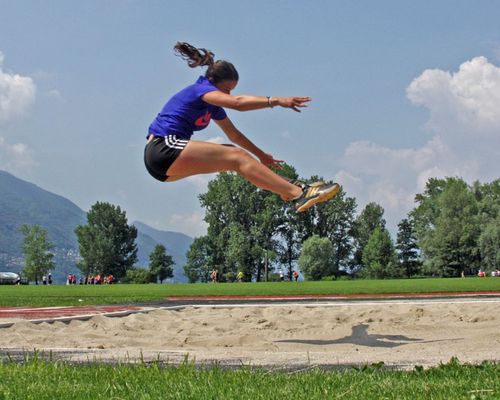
point(289, 335)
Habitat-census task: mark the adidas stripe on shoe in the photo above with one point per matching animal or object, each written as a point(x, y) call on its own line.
point(313, 194)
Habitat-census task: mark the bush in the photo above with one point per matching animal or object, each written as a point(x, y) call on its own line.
point(138, 275)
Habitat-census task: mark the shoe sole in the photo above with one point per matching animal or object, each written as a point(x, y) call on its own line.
point(321, 198)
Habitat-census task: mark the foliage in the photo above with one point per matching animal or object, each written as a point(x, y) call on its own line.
point(489, 245)
point(447, 229)
point(160, 264)
point(379, 258)
point(200, 260)
point(36, 248)
point(451, 230)
point(335, 220)
point(364, 225)
point(242, 221)
point(107, 242)
point(139, 276)
point(317, 258)
point(407, 248)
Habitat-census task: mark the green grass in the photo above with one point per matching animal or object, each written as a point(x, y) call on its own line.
point(62, 295)
point(40, 380)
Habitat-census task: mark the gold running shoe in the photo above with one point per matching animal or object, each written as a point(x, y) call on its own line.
point(318, 193)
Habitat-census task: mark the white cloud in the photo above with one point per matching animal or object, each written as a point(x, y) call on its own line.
point(464, 118)
point(467, 101)
point(17, 93)
point(14, 157)
point(200, 182)
point(191, 224)
point(391, 177)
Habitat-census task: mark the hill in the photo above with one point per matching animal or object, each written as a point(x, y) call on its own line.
point(22, 202)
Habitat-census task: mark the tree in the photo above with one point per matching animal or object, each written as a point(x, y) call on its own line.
point(336, 222)
point(242, 221)
point(452, 246)
point(407, 248)
point(160, 264)
point(488, 198)
point(317, 258)
point(489, 244)
point(199, 260)
point(293, 228)
point(107, 242)
point(38, 258)
point(138, 275)
point(379, 258)
point(364, 225)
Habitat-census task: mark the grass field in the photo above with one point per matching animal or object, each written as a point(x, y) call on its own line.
point(37, 378)
point(62, 295)
point(40, 380)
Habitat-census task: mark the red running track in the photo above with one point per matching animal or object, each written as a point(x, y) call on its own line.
point(340, 297)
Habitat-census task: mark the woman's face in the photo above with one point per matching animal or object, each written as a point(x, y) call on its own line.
point(226, 86)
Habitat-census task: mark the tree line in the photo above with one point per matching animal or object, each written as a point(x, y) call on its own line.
point(107, 246)
point(453, 229)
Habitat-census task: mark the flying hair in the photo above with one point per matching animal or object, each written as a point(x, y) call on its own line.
point(194, 56)
point(217, 71)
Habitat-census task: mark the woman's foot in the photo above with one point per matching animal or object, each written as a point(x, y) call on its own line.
point(314, 193)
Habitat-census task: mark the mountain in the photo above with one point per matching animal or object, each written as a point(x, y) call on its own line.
point(22, 202)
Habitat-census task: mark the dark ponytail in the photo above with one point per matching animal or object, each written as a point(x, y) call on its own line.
point(217, 71)
point(195, 57)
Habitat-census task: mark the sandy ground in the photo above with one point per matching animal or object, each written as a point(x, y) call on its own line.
point(290, 335)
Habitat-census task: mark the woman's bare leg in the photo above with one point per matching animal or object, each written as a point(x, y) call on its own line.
point(205, 158)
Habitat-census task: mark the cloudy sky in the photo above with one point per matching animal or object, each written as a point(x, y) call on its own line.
point(402, 91)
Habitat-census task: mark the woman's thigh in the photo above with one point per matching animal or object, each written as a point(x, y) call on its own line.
point(205, 158)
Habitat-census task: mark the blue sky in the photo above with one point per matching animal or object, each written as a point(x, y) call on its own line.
point(402, 91)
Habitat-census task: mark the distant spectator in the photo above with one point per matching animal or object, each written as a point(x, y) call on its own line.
point(282, 277)
point(481, 274)
point(240, 276)
point(295, 276)
point(44, 280)
point(50, 279)
point(214, 276)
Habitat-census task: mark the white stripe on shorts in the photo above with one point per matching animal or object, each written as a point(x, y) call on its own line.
point(174, 143)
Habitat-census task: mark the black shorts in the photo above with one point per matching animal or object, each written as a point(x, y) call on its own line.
point(160, 153)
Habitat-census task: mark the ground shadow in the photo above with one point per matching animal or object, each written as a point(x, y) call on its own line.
point(360, 336)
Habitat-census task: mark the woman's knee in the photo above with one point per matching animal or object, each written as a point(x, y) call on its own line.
point(241, 158)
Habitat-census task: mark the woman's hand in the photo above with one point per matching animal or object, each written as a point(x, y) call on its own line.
point(293, 102)
point(269, 161)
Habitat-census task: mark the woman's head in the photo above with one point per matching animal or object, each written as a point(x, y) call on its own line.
point(217, 71)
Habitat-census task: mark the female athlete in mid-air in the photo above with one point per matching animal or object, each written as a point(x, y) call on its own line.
point(170, 154)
